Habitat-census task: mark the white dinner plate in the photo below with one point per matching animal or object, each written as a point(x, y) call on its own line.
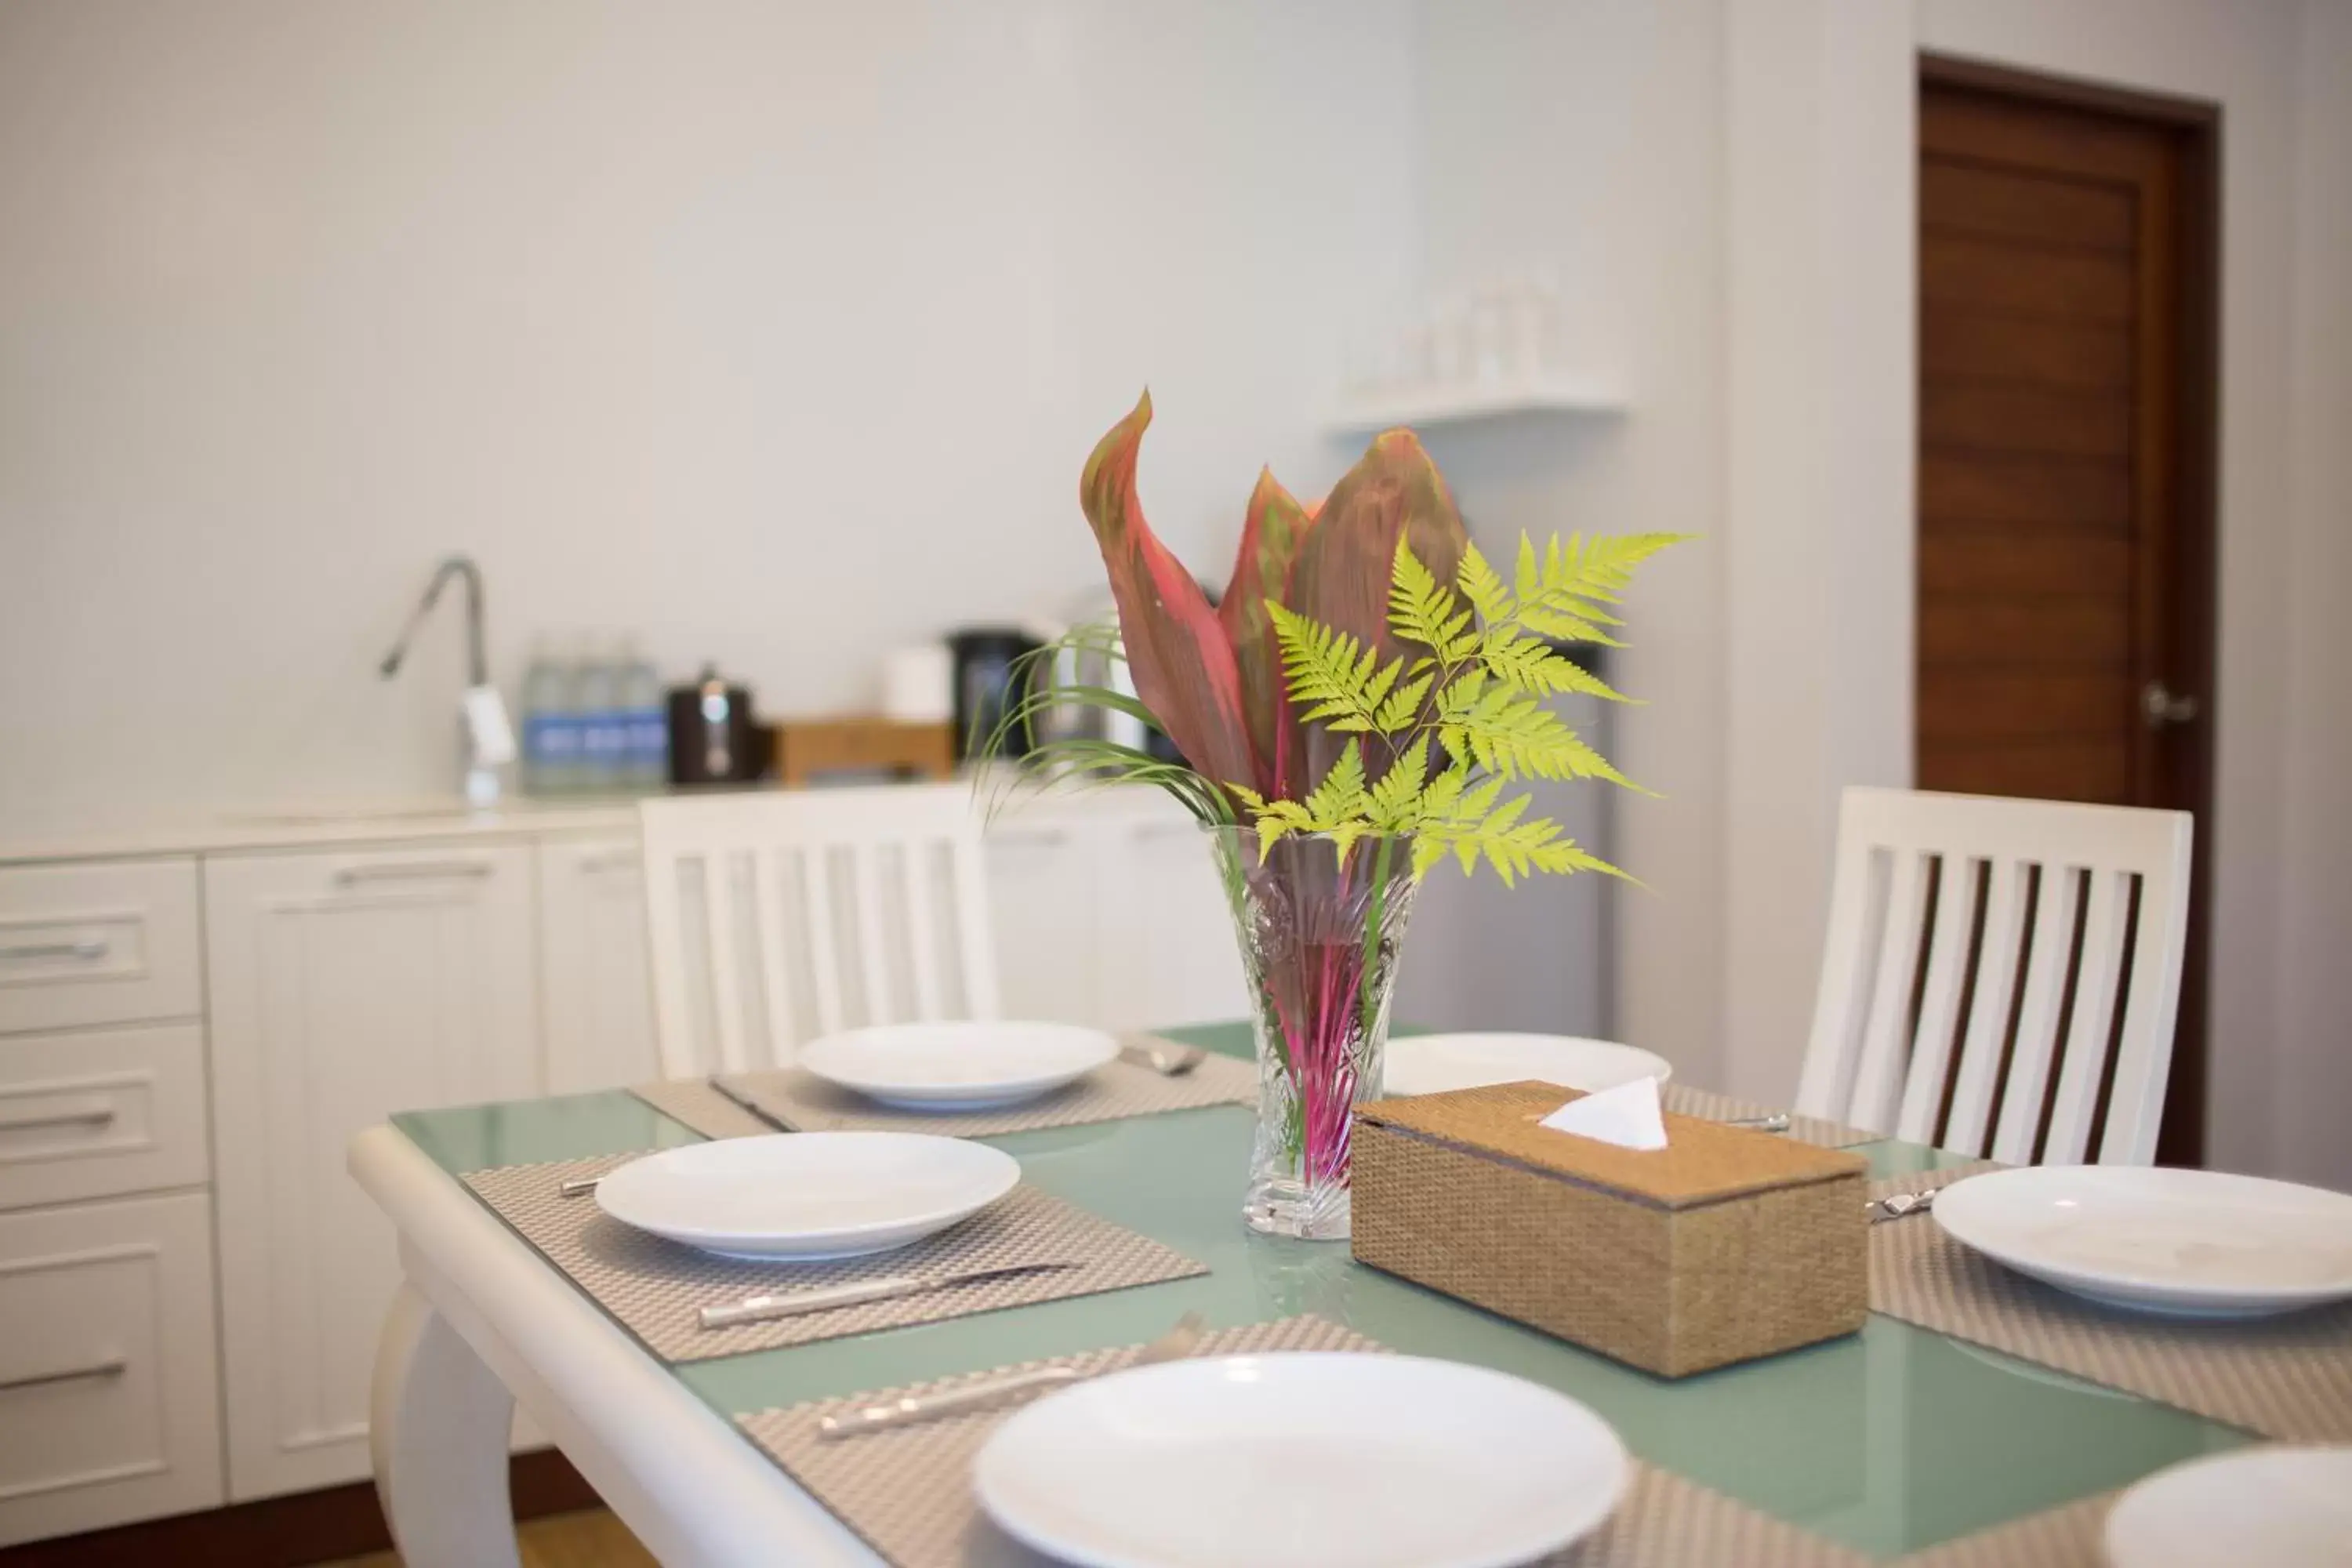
point(1301, 1460)
point(2151, 1238)
point(805, 1196)
point(958, 1067)
point(2257, 1508)
point(1431, 1064)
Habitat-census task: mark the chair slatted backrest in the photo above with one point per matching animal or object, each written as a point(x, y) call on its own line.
point(2001, 975)
point(776, 917)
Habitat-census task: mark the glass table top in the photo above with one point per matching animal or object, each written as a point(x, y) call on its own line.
point(1889, 1440)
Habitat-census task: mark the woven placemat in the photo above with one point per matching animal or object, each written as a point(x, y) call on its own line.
point(908, 1493)
point(2066, 1536)
point(2287, 1377)
point(805, 1103)
point(1684, 1101)
point(655, 1288)
point(693, 1101)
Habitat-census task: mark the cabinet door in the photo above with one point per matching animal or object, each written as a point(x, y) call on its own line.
point(1173, 960)
point(594, 982)
point(345, 985)
point(108, 1403)
point(1041, 895)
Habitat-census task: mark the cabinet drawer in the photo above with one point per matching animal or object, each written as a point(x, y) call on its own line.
point(107, 942)
point(108, 1389)
point(92, 1113)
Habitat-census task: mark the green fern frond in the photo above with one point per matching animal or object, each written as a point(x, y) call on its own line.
point(1340, 795)
point(1328, 672)
point(1483, 589)
point(1396, 797)
point(1532, 665)
point(1402, 710)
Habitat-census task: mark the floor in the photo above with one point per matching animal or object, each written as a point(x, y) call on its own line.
point(594, 1539)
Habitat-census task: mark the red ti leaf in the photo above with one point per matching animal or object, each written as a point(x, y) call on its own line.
point(1271, 535)
point(1345, 567)
point(1183, 665)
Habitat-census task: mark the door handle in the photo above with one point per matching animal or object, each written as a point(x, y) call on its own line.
point(414, 871)
point(2161, 709)
point(114, 1366)
point(91, 1112)
point(87, 947)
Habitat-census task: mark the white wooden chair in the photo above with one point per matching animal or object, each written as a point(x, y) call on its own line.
point(2001, 975)
point(775, 918)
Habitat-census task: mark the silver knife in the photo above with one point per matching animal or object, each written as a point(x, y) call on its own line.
point(744, 1100)
point(826, 1297)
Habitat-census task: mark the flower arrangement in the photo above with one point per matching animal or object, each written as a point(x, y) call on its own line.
point(1352, 711)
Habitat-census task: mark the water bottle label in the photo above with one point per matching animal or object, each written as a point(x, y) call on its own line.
point(648, 737)
point(603, 739)
point(550, 738)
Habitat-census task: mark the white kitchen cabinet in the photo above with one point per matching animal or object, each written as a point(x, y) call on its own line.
point(1170, 955)
point(595, 991)
point(1042, 916)
point(108, 1395)
point(1109, 911)
point(345, 985)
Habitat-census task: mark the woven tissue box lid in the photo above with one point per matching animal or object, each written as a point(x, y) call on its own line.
point(1703, 1162)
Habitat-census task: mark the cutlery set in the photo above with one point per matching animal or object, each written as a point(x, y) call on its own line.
point(1177, 1344)
point(765, 1308)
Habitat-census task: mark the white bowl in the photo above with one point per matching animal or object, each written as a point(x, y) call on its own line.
point(958, 1067)
point(1302, 1461)
point(805, 1197)
point(2152, 1239)
point(2257, 1508)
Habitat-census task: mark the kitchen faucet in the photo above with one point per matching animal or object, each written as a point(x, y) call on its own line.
point(488, 737)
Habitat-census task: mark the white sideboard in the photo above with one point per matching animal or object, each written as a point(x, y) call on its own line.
point(191, 1025)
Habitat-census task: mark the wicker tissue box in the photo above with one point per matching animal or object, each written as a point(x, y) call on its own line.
point(1725, 1245)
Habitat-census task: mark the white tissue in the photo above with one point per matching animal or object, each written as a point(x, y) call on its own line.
point(1627, 1116)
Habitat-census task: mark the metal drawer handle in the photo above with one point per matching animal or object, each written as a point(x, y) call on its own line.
point(414, 872)
point(621, 860)
point(87, 947)
point(113, 1368)
point(92, 1113)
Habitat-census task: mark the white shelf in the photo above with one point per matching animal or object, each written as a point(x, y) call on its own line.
point(1456, 404)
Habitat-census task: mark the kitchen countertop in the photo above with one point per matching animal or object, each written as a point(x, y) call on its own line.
point(307, 824)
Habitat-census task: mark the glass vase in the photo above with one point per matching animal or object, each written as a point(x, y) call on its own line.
point(1320, 932)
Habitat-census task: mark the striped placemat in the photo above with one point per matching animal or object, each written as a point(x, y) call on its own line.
point(656, 1289)
point(908, 1493)
point(2063, 1537)
point(1684, 1101)
point(802, 1102)
point(2287, 1377)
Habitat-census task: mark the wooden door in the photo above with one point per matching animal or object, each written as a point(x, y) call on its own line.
point(345, 985)
point(2066, 538)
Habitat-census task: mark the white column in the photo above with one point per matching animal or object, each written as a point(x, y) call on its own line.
point(1820, 532)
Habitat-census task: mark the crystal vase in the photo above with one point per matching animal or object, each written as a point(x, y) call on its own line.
point(1319, 931)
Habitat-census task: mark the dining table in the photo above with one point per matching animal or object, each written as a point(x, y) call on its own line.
point(1895, 1443)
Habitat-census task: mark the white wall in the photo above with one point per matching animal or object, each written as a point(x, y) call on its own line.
point(1843, 68)
point(1587, 137)
point(2314, 1020)
point(777, 332)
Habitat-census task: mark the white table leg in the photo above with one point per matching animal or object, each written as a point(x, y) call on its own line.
point(437, 1431)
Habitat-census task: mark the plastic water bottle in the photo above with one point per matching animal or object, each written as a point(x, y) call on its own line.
point(603, 736)
point(645, 718)
point(550, 723)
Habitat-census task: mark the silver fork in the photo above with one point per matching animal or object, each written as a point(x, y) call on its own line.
point(1895, 1206)
point(1165, 1057)
point(1174, 1345)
